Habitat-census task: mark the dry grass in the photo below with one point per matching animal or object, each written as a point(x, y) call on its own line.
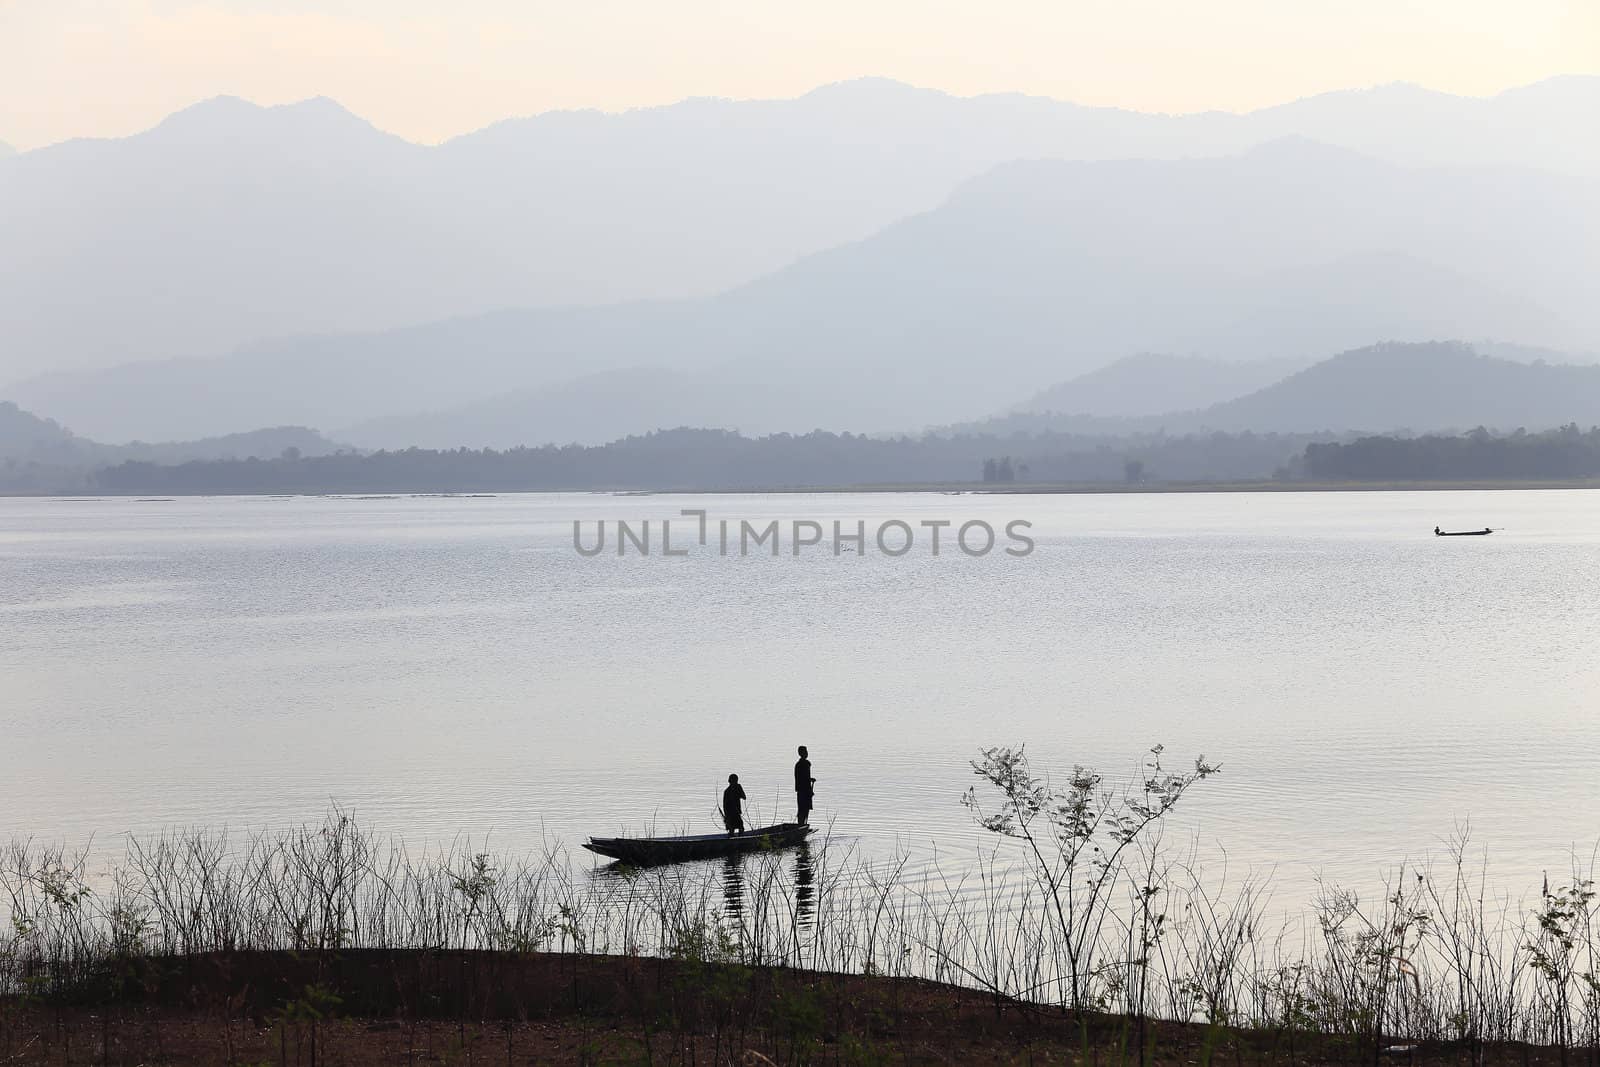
point(1097, 918)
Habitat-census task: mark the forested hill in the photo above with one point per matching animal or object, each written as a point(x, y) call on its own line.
point(1423, 387)
point(23, 433)
point(1436, 386)
point(40, 455)
point(28, 437)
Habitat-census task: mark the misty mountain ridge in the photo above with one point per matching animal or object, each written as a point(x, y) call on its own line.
point(1387, 388)
point(226, 116)
point(22, 432)
point(1028, 275)
point(1417, 388)
point(1440, 386)
point(1153, 383)
point(29, 438)
point(228, 222)
point(1430, 387)
point(591, 410)
point(1520, 353)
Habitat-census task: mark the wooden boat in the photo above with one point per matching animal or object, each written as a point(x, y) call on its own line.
point(1462, 533)
point(645, 851)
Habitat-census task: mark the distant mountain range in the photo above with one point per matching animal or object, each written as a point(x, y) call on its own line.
point(1423, 387)
point(591, 410)
point(1154, 384)
point(1417, 388)
point(1028, 275)
point(612, 404)
point(1533, 353)
point(28, 438)
point(229, 223)
point(24, 434)
point(1388, 388)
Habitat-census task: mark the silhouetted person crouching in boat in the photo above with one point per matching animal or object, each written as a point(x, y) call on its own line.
point(733, 806)
point(803, 786)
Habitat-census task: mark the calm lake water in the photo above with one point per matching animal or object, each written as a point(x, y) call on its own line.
point(452, 666)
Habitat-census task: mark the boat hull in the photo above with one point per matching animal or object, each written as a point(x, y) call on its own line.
point(649, 851)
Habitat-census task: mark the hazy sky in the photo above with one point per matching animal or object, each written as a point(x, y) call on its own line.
point(428, 70)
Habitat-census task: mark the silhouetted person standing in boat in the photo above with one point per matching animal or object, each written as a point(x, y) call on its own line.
point(733, 806)
point(803, 785)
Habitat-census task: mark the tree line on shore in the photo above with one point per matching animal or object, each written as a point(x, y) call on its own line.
point(719, 459)
point(711, 459)
point(1563, 454)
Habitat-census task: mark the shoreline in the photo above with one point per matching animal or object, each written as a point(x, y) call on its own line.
point(379, 1006)
point(945, 488)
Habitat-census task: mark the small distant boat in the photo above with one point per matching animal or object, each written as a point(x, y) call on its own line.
point(647, 851)
point(1462, 533)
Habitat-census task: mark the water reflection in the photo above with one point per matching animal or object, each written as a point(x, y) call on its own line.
point(805, 874)
point(770, 893)
point(733, 886)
